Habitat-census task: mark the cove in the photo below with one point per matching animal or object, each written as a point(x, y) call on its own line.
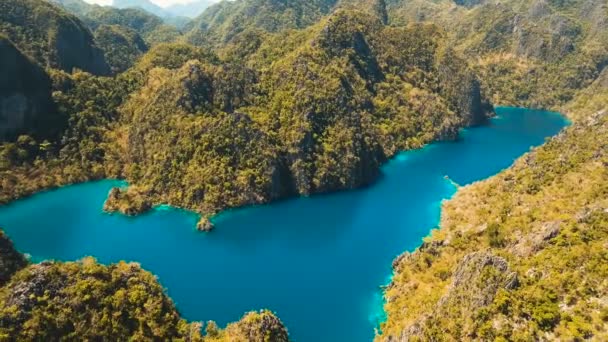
point(317, 262)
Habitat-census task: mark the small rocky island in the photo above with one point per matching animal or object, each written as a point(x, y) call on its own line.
point(205, 224)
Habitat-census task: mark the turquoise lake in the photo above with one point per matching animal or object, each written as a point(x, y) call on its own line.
point(317, 262)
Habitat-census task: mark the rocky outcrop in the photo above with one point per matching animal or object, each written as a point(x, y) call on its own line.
point(53, 301)
point(205, 224)
point(535, 241)
point(257, 327)
point(462, 89)
point(475, 283)
point(477, 279)
point(26, 106)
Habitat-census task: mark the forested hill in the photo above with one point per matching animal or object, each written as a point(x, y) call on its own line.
point(258, 100)
point(521, 256)
point(51, 36)
point(85, 300)
point(222, 21)
point(265, 116)
point(535, 53)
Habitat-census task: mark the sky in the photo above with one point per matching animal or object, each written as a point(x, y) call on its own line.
point(161, 3)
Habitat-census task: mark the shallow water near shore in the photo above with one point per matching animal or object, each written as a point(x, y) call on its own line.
point(317, 262)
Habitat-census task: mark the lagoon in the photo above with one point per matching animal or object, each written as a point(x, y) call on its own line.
point(317, 262)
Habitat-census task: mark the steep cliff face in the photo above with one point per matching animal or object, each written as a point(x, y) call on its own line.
point(26, 106)
point(51, 36)
point(337, 100)
point(181, 138)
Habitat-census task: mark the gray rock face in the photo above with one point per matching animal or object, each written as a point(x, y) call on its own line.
point(476, 281)
point(26, 106)
point(537, 240)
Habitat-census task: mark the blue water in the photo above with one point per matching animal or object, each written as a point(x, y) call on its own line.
point(317, 262)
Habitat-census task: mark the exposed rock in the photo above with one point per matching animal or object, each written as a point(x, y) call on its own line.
point(205, 225)
point(477, 279)
point(400, 259)
point(26, 106)
point(539, 9)
point(537, 239)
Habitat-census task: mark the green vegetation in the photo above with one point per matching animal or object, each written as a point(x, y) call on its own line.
point(216, 133)
point(265, 120)
point(520, 256)
point(86, 300)
point(11, 261)
point(151, 27)
point(50, 36)
point(222, 21)
point(122, 46)
point(262, 99)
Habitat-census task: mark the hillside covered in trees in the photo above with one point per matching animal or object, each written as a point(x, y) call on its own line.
point(258, 100)
point(520, 256)
point(85, 300)
point(266, 116)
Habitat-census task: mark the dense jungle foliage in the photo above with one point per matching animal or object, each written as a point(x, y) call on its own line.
point(267, 116)
point(84, 300)
point(258, 100)
point(520, 256)
point(51, 36)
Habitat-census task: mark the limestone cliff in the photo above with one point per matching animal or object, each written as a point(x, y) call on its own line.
point(26, 106)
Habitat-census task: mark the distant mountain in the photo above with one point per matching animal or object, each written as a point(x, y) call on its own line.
point(143, 4)
point(223, 21)
point(190, 10)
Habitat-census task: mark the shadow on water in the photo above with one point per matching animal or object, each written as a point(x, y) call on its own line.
point(318, 262)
